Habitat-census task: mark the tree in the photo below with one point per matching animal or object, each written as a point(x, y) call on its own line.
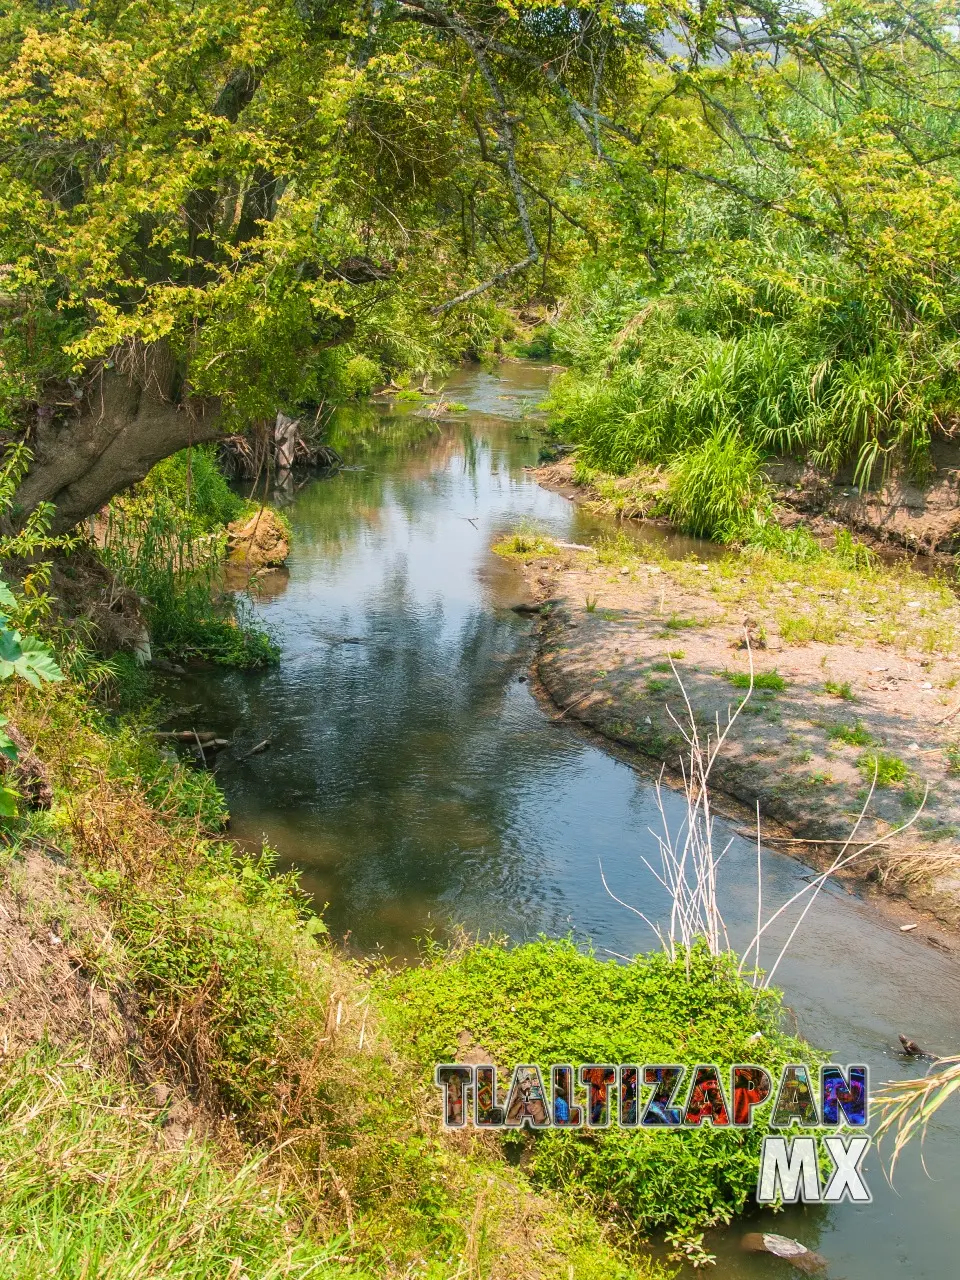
point(201, 208)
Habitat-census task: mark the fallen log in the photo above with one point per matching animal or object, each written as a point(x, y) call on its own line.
point(185, 735)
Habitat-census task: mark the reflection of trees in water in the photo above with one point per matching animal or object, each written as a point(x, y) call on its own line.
point(398, 751)
point(416, 476)
point(368, 432)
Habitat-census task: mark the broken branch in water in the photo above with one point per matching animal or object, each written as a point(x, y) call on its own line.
point(570, 705)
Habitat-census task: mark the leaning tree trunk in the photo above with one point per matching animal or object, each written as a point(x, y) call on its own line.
point(128, 420)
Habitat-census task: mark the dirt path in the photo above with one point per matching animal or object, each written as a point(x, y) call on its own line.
point(855, 672)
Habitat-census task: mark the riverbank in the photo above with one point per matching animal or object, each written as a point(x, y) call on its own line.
point(857, 680)
point(194, 1079)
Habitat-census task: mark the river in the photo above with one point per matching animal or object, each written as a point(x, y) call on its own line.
point(416, 782)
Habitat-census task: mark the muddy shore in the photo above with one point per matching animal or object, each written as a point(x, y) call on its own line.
point(861, 680)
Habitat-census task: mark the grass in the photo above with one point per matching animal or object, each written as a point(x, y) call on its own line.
point(525, 541)
point(678, 623)
point(165, 540)
point(815, 600)
point(731, 365)
point(323, 1149)
point(885, 767)
point(853, 735)
point(769, 680)
point(839, 690)
point(90, 1188)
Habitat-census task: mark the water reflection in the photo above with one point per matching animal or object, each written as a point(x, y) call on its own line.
point(416, 782)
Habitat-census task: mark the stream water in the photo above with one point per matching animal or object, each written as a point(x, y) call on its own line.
point(416, 782)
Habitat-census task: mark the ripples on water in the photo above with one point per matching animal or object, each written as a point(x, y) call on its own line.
point(416, 783)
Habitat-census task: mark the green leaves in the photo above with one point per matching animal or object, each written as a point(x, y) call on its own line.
point(27, 657)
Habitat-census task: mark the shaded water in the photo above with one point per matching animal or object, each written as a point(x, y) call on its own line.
point(416, 782)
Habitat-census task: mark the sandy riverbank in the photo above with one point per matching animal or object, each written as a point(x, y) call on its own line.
point(861, 672)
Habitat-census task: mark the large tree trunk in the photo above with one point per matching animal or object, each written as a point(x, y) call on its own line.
point(128, 420)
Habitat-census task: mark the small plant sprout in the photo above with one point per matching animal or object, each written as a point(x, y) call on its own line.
point(591, 604)
point(853, 735)
point(770, 680)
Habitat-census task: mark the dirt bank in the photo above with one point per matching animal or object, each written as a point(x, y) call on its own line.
point(859, 670)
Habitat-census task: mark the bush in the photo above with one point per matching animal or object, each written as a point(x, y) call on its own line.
point(192, 483)
point(546, 1002)
point(716, 486)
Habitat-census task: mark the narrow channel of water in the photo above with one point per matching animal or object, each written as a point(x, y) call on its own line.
point(416, 782)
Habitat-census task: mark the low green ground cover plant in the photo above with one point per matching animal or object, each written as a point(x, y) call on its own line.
point(770, 681)
point(884, 766)
point(853, 735)
point(548, 1002)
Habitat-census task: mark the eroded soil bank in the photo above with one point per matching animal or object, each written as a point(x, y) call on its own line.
point(857, 680)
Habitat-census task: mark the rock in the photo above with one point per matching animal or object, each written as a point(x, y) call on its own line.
point(259, 542)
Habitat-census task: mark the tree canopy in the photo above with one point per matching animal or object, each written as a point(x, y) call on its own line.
point(206, 212)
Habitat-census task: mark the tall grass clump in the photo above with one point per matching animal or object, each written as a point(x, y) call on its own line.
point(90, 1187)
point(192, 483)
point(717, 489)
point(176, 571)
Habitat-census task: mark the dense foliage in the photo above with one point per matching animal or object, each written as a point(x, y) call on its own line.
point(546, 1002)
point(293, 201)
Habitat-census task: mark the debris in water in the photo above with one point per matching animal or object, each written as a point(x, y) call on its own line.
point(783, 1247)
point(912, 1049)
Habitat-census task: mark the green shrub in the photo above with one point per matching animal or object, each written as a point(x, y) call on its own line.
point(358, 377)
point(193, 485)
point(546, 1002)
point(539, 346)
